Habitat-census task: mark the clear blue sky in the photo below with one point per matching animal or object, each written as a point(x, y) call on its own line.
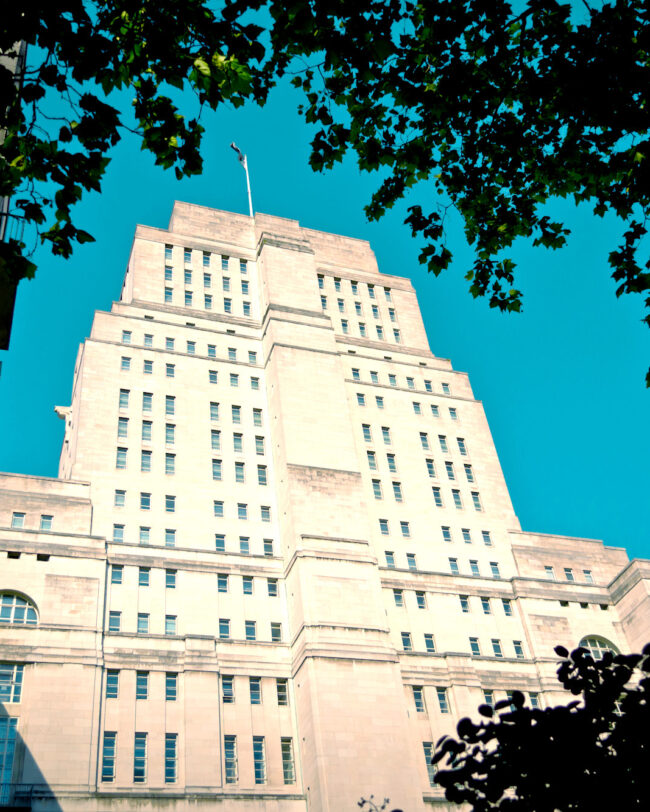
point(562, 383)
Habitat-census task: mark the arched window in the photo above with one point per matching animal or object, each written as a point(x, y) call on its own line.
point(14, 609)
point(597, 646)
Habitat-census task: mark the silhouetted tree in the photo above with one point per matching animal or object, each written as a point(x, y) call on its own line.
point(589, 755)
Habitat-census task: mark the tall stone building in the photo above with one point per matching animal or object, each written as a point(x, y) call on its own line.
point(280, 559)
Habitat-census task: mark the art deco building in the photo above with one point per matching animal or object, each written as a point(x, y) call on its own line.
point(280, 560)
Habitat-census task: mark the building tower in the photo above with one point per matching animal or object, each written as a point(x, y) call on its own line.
point(280, 559)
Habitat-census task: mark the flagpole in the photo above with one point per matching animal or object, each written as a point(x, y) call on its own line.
point(244, 163)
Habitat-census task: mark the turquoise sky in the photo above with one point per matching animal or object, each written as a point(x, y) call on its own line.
point(562, 383)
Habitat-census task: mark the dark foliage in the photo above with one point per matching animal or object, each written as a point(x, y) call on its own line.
point(590, 754)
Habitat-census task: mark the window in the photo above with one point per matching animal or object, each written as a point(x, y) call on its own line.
point(108, 756)
point(371, 291)
point(265, 513)
point(519, 649)
point(372, 460)
point(458, 502)
point(282, 691)
point(247, 584)
point(170, 463)
point(410, 561)
point(236, 414)
point(398, 595)
point(244, 545)
point(170, 503)
point(469, 474)
point(145, 501)
point(341, 305)
point(405, 528)
point(188, 298)
point(227, 305)
point(467, 537)
point(120, 458)
point(485, 604)
point(375, 311)
point(16, 610)
point(379, 400)
point(143, 576)
point(407, 644)
point(473, 566)
point(418, 698)
point(169, 344)
point(421, 600)
point(171, 686)
point(168, 272)
point(437, 498)
point(366, 433)
point(170, 370)
point(170, 538)
point(487, 539)
point(243, 267)
point(357, 308)
point(496, 647)
point(361, 399)
point(385, 433)
point(143, 623)
point(230, 758)
point(597, 646)
point(549, 572)
point(445, 389)
point(534, 699)
point(429, 643)
point(170, 757)
point(170, 624)
point(212, 351)
point(446, 533)
point(212, 375)
point(126, 336)
point(464, 603)
point(428, 756)
point(424, 440)
point(474, 646)
point(239, 472)
point(488, 698)
point(272, 587)
point(140, 758)
point(344, 325)
point(449, 468)
point(461, 446)
point(125, 364)
point(276, 633)
point(112, 683)
point(114, 621)
point(435, 411)
point(168, 295)
point(242, 510)
point(142, 685)
point(118, 533)
point(568, 574)
point(122, 427)
point(392, 380)
point(362, 329)
point(494, 569)
point(261, 475)
point(224, 628)
point(397, 336)
point(124, 398)
point(417, 408)
point(147, 367)
point(410, 382)
point(17, 520)
point(250, 629)
point(170, 579)
point(116, 573)
point(227, 690)
point(170, 404)
point(453, 566)
point(268, 547)
point(234, 379)
point(476, 499)
point(376, 488)
point(257, 417)
point(222, 582)
point(145, 465)
point(443, 702)
point(453, 413)
point(217, 508)
point(507, 606)
point(397, 491)
point(323, 302)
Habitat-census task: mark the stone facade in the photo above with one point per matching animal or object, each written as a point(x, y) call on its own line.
point(281, 558)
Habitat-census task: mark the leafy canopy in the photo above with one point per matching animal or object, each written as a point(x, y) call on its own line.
point(590, 754)
point(498, 110)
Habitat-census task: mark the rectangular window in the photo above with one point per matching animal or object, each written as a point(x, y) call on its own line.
point(424, 440)
point(228, 690)
point(410, 561)
point(118, 533)
point(443, 702)
point(108, 756)
point(469, 474)
point(474, 646)
point(487, 538)
point(126, 336)
point(282, 691)
point(437, 498)
point(230, 758)
point(379, 400)
point(431, 470)
point(250, 629)
point(443, 443)
point(449, 468)
point(398, 596)
point(188, 298)
point(392, 380)
point(169, 344)
point(122, 426)
point(496, 647)
point(143, 576)
point(140, 758)
point(385, 433)
point(568, 574)
point(362, 329)
point(375, 311)
point(390, 559)
point(464, 604)
point(276, 633)
point(376, 488)
point(242, 510)
point(114, 621)
point(255, 688)
point(143, 623)
point(453, 413)
point(534, 699)
point(453, 566)
point(586, 575)
point(171, 757)
point(124, 398)
point(234, 379)
point(323, 302)
point(383, 527)
point(473, 566)
point(494, 569)
point(120, 458)
point(485, 604)
point(142, 685)
point(145, 464)
point(170, 463)
point(144, 535)
point(366, 433)
point(125, 364)
point(168, 273)
point(170, 579)
point(171, 686)
point(418, 698)
point(224, 628)
point(507, 607)
point(461, 446)
point(145, 501)
point(429, 644)
point(405, 528)
point(170, 370)
point(247, 584)
point(170, 624)
point(476, 499)
point(112, 684)
point(227, 305)
point(148, 367)
point(446, 533)
point(257, 417)
point(268, 547)
point(361, 399)
point(170, 503)
point(216, 469)
point(168, 295)
point(116, 573)
point(170, 538)
point(397, 336)
point(239, 472)
point(397, 491)
point(549, 572)
point(272, 587)
point(222, 582)
point(344, 326)
point(519, 649)
point(421, 600)
point(458, 502)
point(407, 643)
point(217, 508)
